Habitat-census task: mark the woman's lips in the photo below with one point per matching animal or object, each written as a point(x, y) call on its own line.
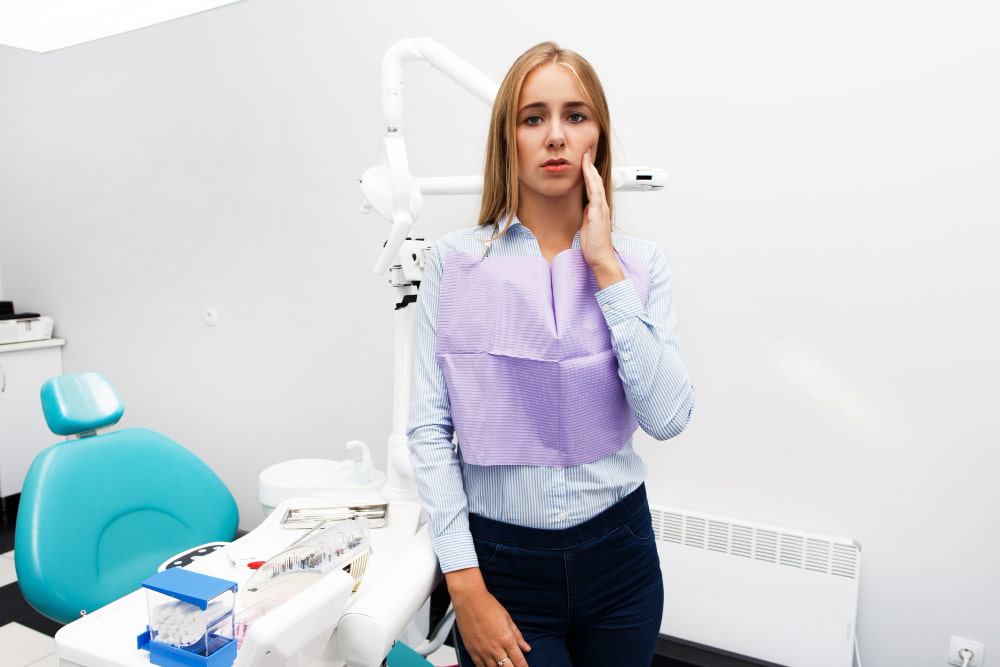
point(556, 166)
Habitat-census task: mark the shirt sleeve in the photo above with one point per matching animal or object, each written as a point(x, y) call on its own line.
point(650, 358)
point(433, 455)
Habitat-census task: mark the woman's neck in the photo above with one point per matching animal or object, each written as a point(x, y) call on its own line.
point(553, 221)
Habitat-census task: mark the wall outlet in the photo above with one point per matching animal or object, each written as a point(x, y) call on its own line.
point(958, 643)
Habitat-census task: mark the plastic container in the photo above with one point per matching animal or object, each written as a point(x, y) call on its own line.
point(190, 619)
point(333, 545)
point(26, 330)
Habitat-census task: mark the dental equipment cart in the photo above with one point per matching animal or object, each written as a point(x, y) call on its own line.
point(325, 625)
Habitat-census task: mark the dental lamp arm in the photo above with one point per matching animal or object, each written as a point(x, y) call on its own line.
point(411, 189)
point(437, 56)
point(622, 179)
point(404, 205)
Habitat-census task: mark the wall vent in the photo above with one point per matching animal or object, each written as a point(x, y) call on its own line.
point(772, 545)
point(780, 595)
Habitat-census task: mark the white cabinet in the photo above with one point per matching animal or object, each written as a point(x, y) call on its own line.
point(24, 367)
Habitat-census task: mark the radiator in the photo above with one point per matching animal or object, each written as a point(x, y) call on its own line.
point(758, 591)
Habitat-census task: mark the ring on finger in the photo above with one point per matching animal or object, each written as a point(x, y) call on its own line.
point(500, 663)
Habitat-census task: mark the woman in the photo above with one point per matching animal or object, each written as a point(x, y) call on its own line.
point(544, 340)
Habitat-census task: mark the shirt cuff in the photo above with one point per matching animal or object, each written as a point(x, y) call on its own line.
point(455, 551)
point(619, 302)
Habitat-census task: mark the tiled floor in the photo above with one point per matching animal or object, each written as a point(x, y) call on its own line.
point(25, 635)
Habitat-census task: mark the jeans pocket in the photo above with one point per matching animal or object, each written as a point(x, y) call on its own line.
point(639, 527)
point(486, 551)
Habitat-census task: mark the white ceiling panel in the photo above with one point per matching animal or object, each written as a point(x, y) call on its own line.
point(46, 25)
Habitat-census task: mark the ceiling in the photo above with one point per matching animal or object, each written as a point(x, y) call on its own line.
point(47, 25)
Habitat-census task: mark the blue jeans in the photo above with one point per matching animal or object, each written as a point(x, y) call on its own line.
point(586, 596)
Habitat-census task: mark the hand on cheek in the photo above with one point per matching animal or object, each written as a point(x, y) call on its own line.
point(595, 231)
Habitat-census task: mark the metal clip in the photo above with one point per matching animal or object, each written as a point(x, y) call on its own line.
point(486, 250)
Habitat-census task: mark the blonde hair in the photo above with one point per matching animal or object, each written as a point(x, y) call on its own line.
point(500, 177)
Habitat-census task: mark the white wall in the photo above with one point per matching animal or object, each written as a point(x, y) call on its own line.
point(831, 222)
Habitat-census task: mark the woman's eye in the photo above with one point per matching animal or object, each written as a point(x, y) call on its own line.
point(532, 120)
point(577, 117)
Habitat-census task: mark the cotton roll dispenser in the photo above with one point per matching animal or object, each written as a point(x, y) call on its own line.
point(190, 619)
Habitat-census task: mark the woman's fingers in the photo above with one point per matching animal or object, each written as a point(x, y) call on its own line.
point(595, 230)
point(489, 633)
point(592, 180)
point(596, 213)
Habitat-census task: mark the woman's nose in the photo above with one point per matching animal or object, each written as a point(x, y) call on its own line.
point(556, 138)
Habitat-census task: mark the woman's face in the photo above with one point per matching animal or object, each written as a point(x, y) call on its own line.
point(555, 127)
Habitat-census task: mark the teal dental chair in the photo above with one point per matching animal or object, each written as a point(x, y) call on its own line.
point(100, 513)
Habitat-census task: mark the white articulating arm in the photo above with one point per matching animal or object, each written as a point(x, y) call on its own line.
point(389, 187)
point(436, 56)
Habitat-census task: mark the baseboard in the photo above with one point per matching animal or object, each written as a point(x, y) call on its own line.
point(697, 655)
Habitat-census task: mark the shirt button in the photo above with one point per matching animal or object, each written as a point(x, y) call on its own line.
point(558, 467)
point(626, 356)
point(562, 516)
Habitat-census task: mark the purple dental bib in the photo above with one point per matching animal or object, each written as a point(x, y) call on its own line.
point(526, 355)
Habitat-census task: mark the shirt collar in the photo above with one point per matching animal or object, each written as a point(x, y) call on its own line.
point(515, 226)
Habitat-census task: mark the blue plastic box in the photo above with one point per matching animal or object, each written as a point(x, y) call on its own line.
point(190, 619)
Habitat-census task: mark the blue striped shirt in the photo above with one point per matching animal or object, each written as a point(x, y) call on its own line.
point(654, 376)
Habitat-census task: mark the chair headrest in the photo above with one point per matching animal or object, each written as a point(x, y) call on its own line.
point(80, 403)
